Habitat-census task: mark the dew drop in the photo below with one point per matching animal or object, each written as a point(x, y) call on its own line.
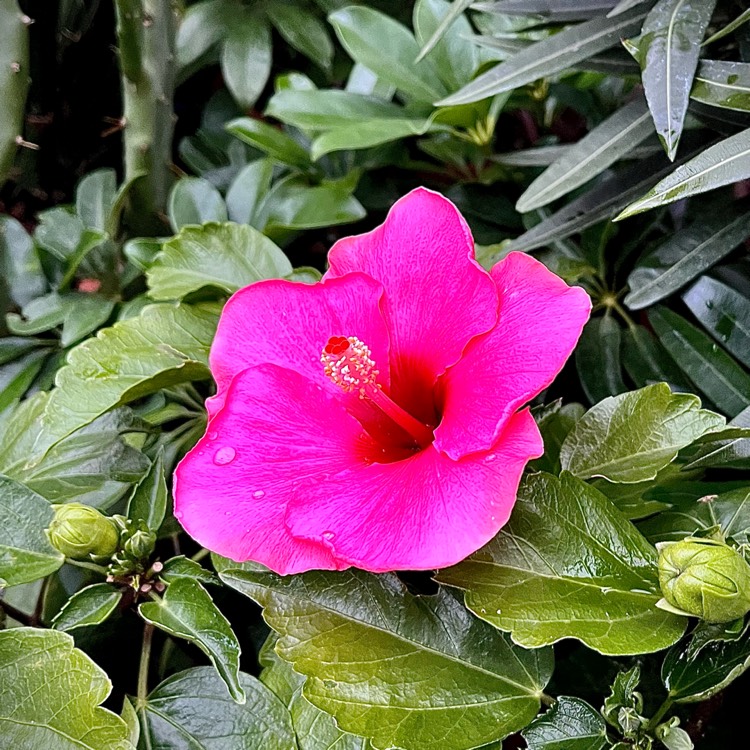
point(328, 535)
point(258, 494)
point(490, 458)
point(498, 611)
point(212, 435)
point(224, 455)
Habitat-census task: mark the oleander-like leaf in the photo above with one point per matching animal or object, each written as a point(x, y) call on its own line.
point(416, 672)
point(191, 709)
point(668, 51)
point(722, 83)
point(187, 611)
point(599, 586)
point(149, 500)
point(226, 256)
point(558, 52)
point(598, 359)
point(91, 605)
point(50, 695)
point(630, 437)
point(686, 254)
point(164, 345)
point(571, 724)
point(25, 551)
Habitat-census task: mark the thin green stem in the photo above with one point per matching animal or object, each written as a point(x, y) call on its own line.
point(653, 722)
point(148, 636)
point(198, 556)
point(87, 565)
point(547, 700)
point(620, 310)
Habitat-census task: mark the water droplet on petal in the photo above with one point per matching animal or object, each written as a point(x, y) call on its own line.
point(258, 494)
point(212, 435)
point(489, 459)
point(224, 455)
point(328, 535)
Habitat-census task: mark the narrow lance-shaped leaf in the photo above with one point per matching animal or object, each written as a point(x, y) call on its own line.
point(629, 438)
point(603, 146)
point(528, 583)
point(416, 672)
point(722, 164)
point(722, 83)
point(668, 51)
point(598, 359)
point(456, 9)
point(550, 10)
point(556, 53)
point(743, 18)
point(685, 255)
point(149, 500)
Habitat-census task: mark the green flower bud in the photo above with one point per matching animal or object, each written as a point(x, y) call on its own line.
point(704, 578)
point(81, 532)
point(140, 545)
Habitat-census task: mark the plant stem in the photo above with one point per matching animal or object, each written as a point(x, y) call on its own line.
point(36, 617)
point(148, 635)
point(200, 554)
point(653, 722)
point(87, 565)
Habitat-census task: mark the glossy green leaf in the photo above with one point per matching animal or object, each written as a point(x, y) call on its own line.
point(684, 255)
point(16, 377)
point(598, 359)
point(14, 80)
point(91, 605)
point(149, 500)
point(722, 83)
point(430, 35)
point(184, 567)
point(600, 586)
point(191, 710)
point(602, 147)
point(571, 724)
point(629, 438)
point(388, 665)
point(728, 448)
point(25, 551)
point(226, 256)
point(715, 656)
point(272, 141)
point(50, 695)
point(646, 360)
point(708, 366)
point(20, 270)
point(388, 49)
point(193, 200)
point(95, 195)
point(246, 56)
point(549, 56)
point(187, 611)
point(164, 345)
point(202, 27)
point(668, 51)
point(247, 191)
point(549, 10)
point(38, 316)
point(303, 30)
point(743, 18)
point(82, 315)
point(724, 313)
point(721, 164)
point(624, 5)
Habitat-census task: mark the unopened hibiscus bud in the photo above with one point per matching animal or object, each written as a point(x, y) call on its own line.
point(140, 545)
point(704, 578)
point(81, 532)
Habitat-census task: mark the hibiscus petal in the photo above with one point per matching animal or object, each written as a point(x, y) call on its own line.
point(540, 321)
point(288, 324)
point(277, 430)
point(424, 512)
point(437, 297)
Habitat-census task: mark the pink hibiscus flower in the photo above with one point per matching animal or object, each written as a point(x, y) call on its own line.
point(371, 420)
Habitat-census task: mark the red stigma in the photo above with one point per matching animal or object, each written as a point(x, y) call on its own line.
point(337, 345)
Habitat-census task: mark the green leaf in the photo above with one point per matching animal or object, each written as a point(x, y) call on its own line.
point(149, 500)
point(83, 314)
point(388, 49)
point(95, 195)
point(549, 56)
point(388, 665)
point(25, 551)
point(647, 361)
point(602, 147)
point(272, 141)
point(709, 367)
point(711, 659)
point(91, 605)
point(629, 438)
point(16, 377)
point(724, 312)
point(246, 56)
point(193, 200)
point(444, 35)
point(226, 256)
point(571, 724)
point(164, 345)
point(14, 80)
point(722, 164)
point(598, 359)
point(743, 18)
point(201, 28)
point(191, 710)
point(50, 694)
point(184, 567)
point(20, 270)
point(247, 191)
point(721, 83)
point(528, 583)
point(187, 611)
point(684, 255)
point(304, 31)
point(623, 695)
point(728, 448)
point(40, 315)
point(668, 51)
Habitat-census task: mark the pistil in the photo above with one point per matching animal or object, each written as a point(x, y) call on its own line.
point(348, 363)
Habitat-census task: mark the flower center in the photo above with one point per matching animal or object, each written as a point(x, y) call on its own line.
point(349, 364)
